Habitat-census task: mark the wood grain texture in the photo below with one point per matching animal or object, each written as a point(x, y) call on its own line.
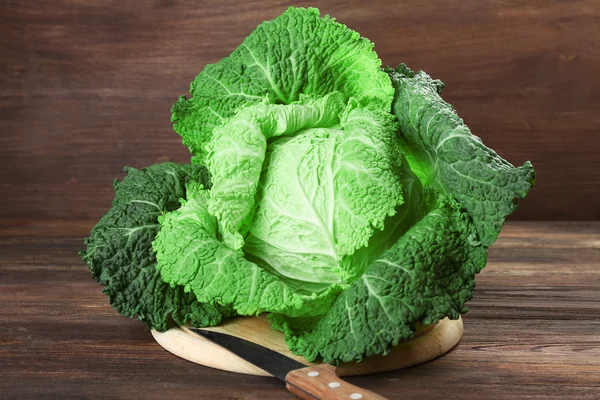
point(86, 87)
point(532, 332)
point(314, 382)
point(429, 343)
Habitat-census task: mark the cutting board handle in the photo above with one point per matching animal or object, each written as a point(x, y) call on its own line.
point(322, 382)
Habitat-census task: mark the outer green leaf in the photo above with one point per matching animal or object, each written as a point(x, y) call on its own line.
point(119, 249)
point(189, 254)
point(444, 153)
point(410, 212)
point(427, 275)
point(296, 53)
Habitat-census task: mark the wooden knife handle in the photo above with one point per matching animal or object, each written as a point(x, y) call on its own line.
point(321, 382)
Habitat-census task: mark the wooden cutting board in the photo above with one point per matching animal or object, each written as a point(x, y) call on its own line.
point(430, 342)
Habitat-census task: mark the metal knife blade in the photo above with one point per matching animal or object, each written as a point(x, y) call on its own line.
point(264, 358)
point(306, 382)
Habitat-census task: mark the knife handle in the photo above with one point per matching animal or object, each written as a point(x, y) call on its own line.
point(321, 382)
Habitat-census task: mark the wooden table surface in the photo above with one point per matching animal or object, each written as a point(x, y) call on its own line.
point(533, 329)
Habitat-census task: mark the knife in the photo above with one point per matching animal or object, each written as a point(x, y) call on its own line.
point(310, 383)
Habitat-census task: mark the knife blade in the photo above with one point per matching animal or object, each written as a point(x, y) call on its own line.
point(306, 382)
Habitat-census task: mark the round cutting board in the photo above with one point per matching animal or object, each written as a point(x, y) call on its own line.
point(430, 342)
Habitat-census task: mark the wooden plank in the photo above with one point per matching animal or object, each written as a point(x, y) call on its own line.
point(430, 342)
point(87, 87)
point(532, 332)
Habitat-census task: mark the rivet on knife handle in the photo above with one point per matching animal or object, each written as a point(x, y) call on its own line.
point(321, 382)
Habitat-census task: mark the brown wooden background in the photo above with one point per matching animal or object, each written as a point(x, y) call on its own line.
point(86, 87)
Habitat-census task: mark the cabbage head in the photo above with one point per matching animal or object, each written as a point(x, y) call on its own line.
point(346, 200)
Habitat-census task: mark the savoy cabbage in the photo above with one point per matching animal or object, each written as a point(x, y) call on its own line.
point(347, 201)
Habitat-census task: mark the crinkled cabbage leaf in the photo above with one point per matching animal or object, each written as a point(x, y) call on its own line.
point(119, 249)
